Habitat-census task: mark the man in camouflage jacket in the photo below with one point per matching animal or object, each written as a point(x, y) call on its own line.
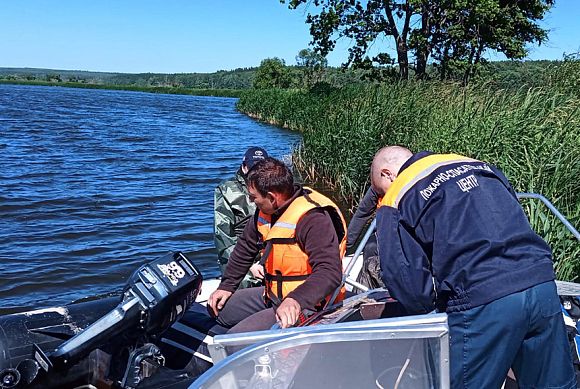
point(232, 210)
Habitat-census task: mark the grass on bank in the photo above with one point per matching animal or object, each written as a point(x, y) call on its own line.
point(151, 89)
point(533, 135)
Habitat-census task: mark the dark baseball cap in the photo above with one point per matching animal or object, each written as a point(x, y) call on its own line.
point(253, 155)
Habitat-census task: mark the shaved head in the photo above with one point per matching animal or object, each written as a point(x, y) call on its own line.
point(391, 156)
point(386, 165)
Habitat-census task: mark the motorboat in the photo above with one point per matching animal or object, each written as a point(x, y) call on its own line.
point(157, 334)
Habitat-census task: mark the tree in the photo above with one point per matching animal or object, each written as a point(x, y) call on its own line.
point(310, 59)
point(313, 66)
point(272, 73)
point(453, 34)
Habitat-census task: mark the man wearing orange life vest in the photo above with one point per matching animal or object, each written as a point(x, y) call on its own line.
point(302, 237)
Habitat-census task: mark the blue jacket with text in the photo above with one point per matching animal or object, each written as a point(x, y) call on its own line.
point(452, 236)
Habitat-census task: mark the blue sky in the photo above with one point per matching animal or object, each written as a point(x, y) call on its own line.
point(177, 36)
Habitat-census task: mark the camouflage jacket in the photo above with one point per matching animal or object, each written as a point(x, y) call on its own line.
point(232, 210)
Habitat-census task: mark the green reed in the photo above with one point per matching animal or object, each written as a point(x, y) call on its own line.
point(533, 135)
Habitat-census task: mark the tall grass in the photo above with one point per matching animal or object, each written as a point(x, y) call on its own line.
point(533, 135)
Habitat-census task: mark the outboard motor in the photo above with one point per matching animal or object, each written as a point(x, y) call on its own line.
point(156, 296)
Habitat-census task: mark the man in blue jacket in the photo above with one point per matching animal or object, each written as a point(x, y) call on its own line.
point(453, 237)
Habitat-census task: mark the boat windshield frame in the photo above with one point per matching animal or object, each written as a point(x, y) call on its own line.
point(430, 326)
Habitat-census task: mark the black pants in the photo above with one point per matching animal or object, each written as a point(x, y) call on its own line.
point(246, 311)
point(370, 274)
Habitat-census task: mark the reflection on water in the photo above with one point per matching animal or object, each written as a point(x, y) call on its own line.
point(94, 183)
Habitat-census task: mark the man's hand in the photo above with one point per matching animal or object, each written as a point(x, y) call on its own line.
point(217, 300)
point(288, 312)
point(257, 271)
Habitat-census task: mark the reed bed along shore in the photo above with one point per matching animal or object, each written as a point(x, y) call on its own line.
point(533, 135)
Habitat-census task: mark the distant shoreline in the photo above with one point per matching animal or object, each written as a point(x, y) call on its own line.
point(149, 89)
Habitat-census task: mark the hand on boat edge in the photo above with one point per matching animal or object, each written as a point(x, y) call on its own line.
point(288, 312)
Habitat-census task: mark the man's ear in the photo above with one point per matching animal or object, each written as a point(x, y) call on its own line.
point(389, 174)
point(271, 196)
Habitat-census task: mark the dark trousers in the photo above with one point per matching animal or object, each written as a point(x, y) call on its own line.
point(370, 274)
point(524, 331)
point(246, 311)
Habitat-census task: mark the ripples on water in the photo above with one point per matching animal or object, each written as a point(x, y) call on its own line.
point(93, 183)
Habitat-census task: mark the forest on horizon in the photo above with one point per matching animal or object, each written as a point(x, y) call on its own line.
point(505, 74)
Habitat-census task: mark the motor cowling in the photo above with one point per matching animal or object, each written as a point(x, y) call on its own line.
point(62, 345)
point(166, 288)
point(156, 296)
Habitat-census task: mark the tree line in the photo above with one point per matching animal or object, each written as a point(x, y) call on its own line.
point(241, 78)
point(311, 71)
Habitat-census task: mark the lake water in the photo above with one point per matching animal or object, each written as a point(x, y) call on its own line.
point(94, 183)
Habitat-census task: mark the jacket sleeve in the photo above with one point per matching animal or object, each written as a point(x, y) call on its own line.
point(404, 265)
point(243, 255)
point(362, 215)
point(224, 232)
point(499, 174)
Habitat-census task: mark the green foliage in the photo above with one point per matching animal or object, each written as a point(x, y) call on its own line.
point(234, 79)
point(465, 29)
point(272, 73)
point(53, 78)
point(565, 76)
point(533, 135)
point(559, 76)
point(453, 34)
point(313, 66)
point(503, 74)
point(514, 74)
point(222, 80)
point(150, 89)
point(310, 59)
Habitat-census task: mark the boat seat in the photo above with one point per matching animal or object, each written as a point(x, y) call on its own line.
point(188, 339)
point(198, 318)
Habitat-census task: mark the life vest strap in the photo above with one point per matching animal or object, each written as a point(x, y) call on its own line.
point(276, 298)
point(279, 278)
point(311, 200)
point(276, 277)
point(281, 241)
point(265, 253)
point(270, 297)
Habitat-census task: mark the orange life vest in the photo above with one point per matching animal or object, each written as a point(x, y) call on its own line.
point(286, 266)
